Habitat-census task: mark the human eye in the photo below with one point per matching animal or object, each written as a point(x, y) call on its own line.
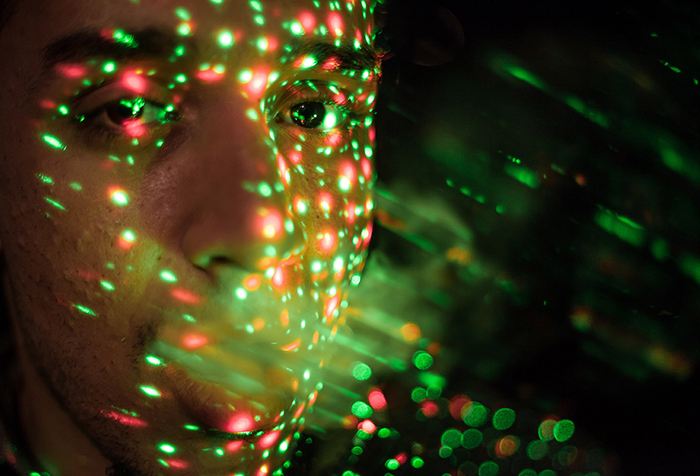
point(318, 107)
point(114, 116)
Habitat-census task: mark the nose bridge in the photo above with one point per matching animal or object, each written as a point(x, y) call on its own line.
point(243, 214)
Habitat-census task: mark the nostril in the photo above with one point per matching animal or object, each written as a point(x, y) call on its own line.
point(207, 261)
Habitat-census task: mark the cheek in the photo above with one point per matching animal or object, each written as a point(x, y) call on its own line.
point(329, 184)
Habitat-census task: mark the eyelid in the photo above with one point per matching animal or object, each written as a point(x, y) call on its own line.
point(107, 93)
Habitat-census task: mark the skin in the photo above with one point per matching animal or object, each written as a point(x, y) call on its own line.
point(194, 252)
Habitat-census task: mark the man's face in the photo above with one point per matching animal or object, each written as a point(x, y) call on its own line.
point(185, 196)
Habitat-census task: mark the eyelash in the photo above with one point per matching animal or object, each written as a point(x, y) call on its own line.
point(97, 133)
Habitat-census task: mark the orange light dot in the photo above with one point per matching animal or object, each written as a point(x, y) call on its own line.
point(410, 332)
point(195, 341)
point(258, 324)
point(291, 346)
point(326, 243)
point(252, 282)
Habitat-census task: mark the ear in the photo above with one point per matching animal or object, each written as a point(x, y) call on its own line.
point(428, 35)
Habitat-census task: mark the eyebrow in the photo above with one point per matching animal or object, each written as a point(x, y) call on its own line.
point(343, 58)
point(154, 43)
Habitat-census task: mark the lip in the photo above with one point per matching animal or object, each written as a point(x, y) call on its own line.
point(224, 411)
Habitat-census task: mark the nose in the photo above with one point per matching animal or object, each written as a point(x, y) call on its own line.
point(241, 214)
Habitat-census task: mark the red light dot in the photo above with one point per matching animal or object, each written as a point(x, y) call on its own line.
point(377, 400)
point(195, 341)
point(367, 426)
point(240, 423)
point(307, 20)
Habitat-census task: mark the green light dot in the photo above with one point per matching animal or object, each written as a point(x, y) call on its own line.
point(182, 13)
point(536, 450)
point(422, 360)
point(184, 29)
point(85, 310)
point(503, 418)
point(167, 448)
point(120, 198)
point(153, 360)
point(107, 285)
point(252, 114)
point(392, 464)
point(129, 235)
point(219, 452)
point(488, 468)
point(475, 415)
point(445, 452)
point(63, 110)
point(283, 446)
point(109, 67)
point(361, 410)
point(417, 462)
point(180, 50)
point(356, 450)
point(168, 276)
point(54, 203)
point(245, 75)
point(191, 427)
point(264, 189)
point(75, 186)
point(259, 20)
point(181, 78)
point(563, 430)
point(418, 394)
point(344, 184)
point(384, 433)
point(527, 472)
point(53, 141)
point(451, 438)
point(262, 44)
point(308, 62)
point(225, 39)
point(316, 266)
point(368, 151)
point(296, 28)
point(361, 371)
point(472, 438)
point(150, 391)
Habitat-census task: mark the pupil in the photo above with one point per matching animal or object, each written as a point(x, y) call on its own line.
point(308, 114)
point(123, 111)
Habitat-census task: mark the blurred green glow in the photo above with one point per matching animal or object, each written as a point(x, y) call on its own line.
point(522, 175)
point(451, 438)
point(109, 67)
point(563, 430)
point(475, 415)
point(361, 410)
point(361, 371)
point(488, 468)
point(624, 228)
point(503, 418)
point(471, 438)
point(417, 462)
point(422, 360)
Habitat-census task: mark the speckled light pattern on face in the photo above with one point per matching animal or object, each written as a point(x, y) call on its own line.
point(240, 340)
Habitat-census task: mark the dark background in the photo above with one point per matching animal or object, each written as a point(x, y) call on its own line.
point(581, 294)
